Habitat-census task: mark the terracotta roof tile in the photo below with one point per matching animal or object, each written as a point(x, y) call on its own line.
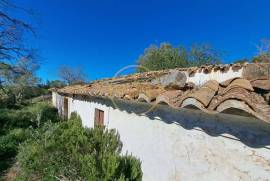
point(211, 97)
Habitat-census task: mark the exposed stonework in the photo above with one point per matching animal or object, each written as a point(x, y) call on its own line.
point(174, 79)
point(256, 71)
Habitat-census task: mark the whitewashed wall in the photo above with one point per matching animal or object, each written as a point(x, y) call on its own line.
point(186, 145)
point(86, 110)
point(200, 78)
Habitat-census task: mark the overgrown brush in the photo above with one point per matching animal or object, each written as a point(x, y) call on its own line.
point(17, 125)
point(68, 151)
point(29, 116)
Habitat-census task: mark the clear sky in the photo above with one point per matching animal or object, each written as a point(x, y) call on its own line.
point(102, 36)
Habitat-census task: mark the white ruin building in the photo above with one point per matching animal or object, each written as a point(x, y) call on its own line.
point(199, 123)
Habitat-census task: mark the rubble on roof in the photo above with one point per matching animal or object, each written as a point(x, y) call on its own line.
point(248, 92)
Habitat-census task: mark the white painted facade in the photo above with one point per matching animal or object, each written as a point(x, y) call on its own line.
point(200, 77)
point(86, 110)
point(184, 144)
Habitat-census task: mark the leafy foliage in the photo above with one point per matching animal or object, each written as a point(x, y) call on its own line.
point(68, 151)
point(9, 146)
point(163, 57)
point(29, 116)
point(17, 125)
point(166, 57)
point(18, 82)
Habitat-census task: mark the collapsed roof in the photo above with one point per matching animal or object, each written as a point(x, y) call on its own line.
point(212, 89)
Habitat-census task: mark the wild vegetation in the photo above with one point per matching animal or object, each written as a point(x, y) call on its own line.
point(16, 126)
point(45, 148)
point(68, 151)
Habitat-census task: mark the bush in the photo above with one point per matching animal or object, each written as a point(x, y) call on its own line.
point(66, 150)
point(9, 146)
point(30, 116)
point(14, 128)
point(41, 113)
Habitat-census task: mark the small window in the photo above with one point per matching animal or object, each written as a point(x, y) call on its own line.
point(99, 117)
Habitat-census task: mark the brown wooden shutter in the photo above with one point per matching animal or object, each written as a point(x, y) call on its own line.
point(96, 116)
point(65, 108)
point(99, 117)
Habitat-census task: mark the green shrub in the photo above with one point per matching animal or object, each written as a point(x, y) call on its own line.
point(14, 128)
point(9, 142)
point(68, 151)
point(42, 112)
point(30, 116)
point(10, 119)
point(9, 146)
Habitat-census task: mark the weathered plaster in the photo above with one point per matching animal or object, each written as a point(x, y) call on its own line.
point(199, 78)
point(185, 144)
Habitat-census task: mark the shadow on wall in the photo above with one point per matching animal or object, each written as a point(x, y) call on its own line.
point(249, 130)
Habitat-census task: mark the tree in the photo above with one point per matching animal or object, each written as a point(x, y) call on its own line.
point(264, 52)
point(166, 57)
point(17, 61)
point(72, 75)
point(163, 57)
point(203, 54)
point(18, 80)
point(12, 32)
point(68, 151)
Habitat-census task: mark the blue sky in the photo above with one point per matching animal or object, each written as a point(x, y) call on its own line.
point(103, 36)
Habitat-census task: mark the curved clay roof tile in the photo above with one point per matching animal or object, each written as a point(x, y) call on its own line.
point(237, 93)
point(205, 94)
point(195, 103)
point(143, 98)
point(241, 83)
point(261, 83)
point(227, 82)
point(169, 97)
point(237, 104)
